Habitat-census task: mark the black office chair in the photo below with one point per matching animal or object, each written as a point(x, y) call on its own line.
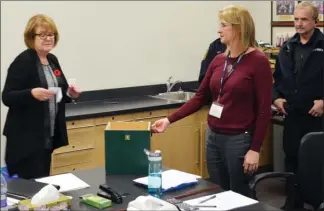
point(308, 184)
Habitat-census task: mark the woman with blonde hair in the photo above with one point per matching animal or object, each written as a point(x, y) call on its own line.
point(240, 84)
point(35, 91)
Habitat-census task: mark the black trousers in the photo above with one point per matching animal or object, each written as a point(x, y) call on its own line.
point(225, 158)
point(35, 166)
point(295, 127)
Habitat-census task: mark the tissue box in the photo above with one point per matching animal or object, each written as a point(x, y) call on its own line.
point(63, 203)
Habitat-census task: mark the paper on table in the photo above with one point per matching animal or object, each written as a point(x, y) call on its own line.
point(172, 179)
point(67, 182)
point(224, 201)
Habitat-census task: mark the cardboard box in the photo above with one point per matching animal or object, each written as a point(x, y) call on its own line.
point(63, 203)
point(124, 145)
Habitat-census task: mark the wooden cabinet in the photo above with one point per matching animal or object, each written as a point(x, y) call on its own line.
point(266, 152)
point(79, 152)
point(182, 144)
point(183, 150)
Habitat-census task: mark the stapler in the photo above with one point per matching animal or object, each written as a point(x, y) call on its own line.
point(108, 193)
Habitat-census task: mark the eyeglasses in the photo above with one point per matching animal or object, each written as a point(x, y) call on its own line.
point(44, 36)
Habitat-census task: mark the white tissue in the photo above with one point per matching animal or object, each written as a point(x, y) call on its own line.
point(47, 194)
point(150, 203)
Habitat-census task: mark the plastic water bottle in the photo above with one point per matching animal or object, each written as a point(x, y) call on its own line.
point(3, 192)
point(155, 174)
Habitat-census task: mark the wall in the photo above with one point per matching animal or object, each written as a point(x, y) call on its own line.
point(110, 44)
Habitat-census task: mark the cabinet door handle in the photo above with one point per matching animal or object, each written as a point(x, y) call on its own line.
point(76, 150)
point(79, 127)
point(198, 148)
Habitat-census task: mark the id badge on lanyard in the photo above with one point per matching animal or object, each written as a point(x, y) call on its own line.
point(216, 108)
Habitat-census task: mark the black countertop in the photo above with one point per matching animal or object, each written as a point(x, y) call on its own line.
point(99, 108)
point(117, 106)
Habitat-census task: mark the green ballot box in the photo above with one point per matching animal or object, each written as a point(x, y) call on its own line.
point(124, 145)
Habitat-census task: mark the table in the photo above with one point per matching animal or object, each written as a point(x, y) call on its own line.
point(124, 184)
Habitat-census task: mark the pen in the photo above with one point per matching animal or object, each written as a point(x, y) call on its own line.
point(212, 197)
point(15, 196)
point(205, 206)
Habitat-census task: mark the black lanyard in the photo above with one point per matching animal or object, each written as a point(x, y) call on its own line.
point(223, 79)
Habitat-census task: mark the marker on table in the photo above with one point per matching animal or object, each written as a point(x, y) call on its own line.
point(205, 200)
point(205, 206)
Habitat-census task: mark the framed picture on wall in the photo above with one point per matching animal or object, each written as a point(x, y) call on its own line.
point(283, 10)
point(282, 13)
point(320, 7)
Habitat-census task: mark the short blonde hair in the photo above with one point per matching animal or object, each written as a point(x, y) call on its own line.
point(36, 21)
point(310, 5)
point(242, 21)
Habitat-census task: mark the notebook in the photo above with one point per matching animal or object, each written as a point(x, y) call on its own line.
point(67, 182)
point(172, 180)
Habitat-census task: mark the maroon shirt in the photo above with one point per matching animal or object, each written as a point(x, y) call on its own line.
point(246, 97)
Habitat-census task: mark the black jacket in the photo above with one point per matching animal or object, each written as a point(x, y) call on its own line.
point(300, 90)
point(27, 123)
point(215, 48)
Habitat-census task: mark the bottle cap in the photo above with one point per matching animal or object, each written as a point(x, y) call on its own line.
point(156, 153)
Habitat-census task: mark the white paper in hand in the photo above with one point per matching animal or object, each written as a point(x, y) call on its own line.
point(58, 93)
point(72, 81)
point(47, 194)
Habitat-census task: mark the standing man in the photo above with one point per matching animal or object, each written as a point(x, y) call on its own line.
point(215, 48)
point(298, 87)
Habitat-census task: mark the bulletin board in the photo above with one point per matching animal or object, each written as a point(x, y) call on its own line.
point(282, 19)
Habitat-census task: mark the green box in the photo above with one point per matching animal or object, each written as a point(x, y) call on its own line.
point(96, 201)
point(124, 145)
point(63, 203)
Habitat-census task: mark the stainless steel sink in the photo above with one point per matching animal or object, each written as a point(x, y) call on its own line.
point(179, 96)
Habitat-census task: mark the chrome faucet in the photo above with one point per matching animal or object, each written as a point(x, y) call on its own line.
point(171, 85)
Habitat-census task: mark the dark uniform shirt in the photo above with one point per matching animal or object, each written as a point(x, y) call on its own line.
point(301, 52)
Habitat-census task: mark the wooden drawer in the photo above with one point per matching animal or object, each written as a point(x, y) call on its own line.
point(81, 135)
point(71, 168)
point(74, 147)
point(75, 156)
point(80, 123)
point(106, 119)
point(151, 114)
